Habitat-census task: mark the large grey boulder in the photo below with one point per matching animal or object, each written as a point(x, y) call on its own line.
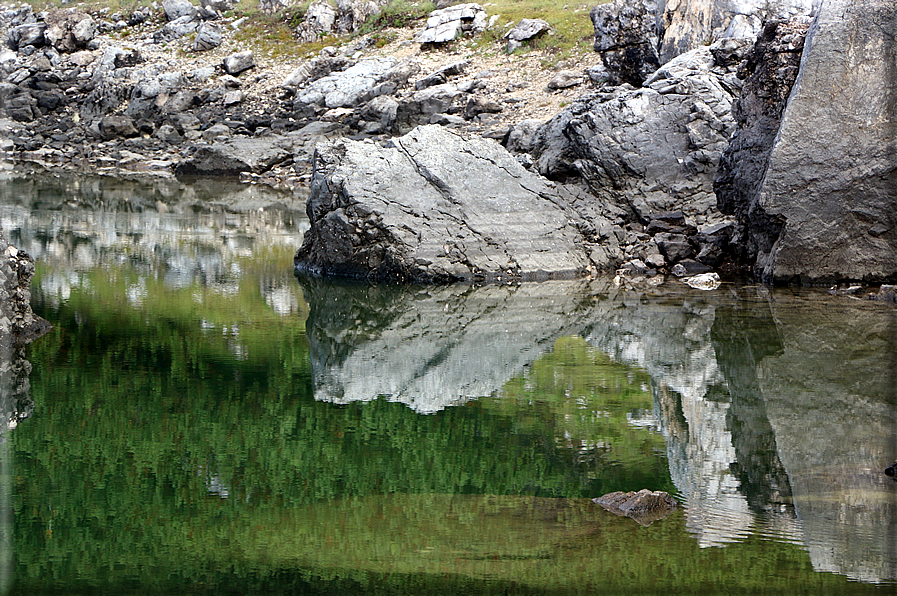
point(648, 150)
point(239, 62)
point(231, 158)
point(176, 9)
point(208, 37)
point(436, 207)
point(524, 30)
point(831, 182)
point(28, 34)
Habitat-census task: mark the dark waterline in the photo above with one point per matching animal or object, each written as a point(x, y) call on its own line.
point(197, 421)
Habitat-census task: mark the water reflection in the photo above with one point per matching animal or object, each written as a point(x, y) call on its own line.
point(750, 389)
point(185, 234)
point(418, 438)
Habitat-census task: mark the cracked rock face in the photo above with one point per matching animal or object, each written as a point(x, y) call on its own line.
point(436, 207)
point(831, 182)
point(653, 149)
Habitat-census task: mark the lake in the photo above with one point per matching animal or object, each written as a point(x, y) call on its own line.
point(200, 421)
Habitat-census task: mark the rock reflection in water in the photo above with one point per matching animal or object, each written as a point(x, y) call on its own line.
point(431, 347)
point(778, 411)
point(184, 234)
point(831, 399)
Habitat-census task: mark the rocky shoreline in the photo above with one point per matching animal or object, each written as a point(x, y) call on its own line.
point(653, 152)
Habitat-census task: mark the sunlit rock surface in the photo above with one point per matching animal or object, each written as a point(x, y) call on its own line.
point(436, 206)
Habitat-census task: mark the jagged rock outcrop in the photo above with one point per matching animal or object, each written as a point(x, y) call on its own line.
point(355, 85)
point(769, 72)
point(686, 24)
point(346, 16)
point(433, 206)
point(653, 149)
point(626, 37)
point(232, 157)
point(825, 209)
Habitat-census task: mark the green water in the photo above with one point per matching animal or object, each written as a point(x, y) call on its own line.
point(202, 422)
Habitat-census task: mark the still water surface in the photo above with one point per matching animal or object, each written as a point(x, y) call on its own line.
point(199, 421)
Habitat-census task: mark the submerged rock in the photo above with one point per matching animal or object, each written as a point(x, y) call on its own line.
point(433, 206)
point(644, 506)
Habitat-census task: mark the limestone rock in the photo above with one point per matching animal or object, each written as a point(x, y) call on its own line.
point(176, 29)
point(69, 30)
point(769, 71)
point(448, 23)
point(566, 79)
point(357, 84)
point(831, 183)
point(524, 30)
point(314, 69)
point(29, 34)
point(208, 37)
point(423, 104)
point(117, 126)
point(644, 506)
point(239, 62)
point(435, 207)
point(176, 9)
point(230, 158)
point(441, 76)
point(319, 20)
